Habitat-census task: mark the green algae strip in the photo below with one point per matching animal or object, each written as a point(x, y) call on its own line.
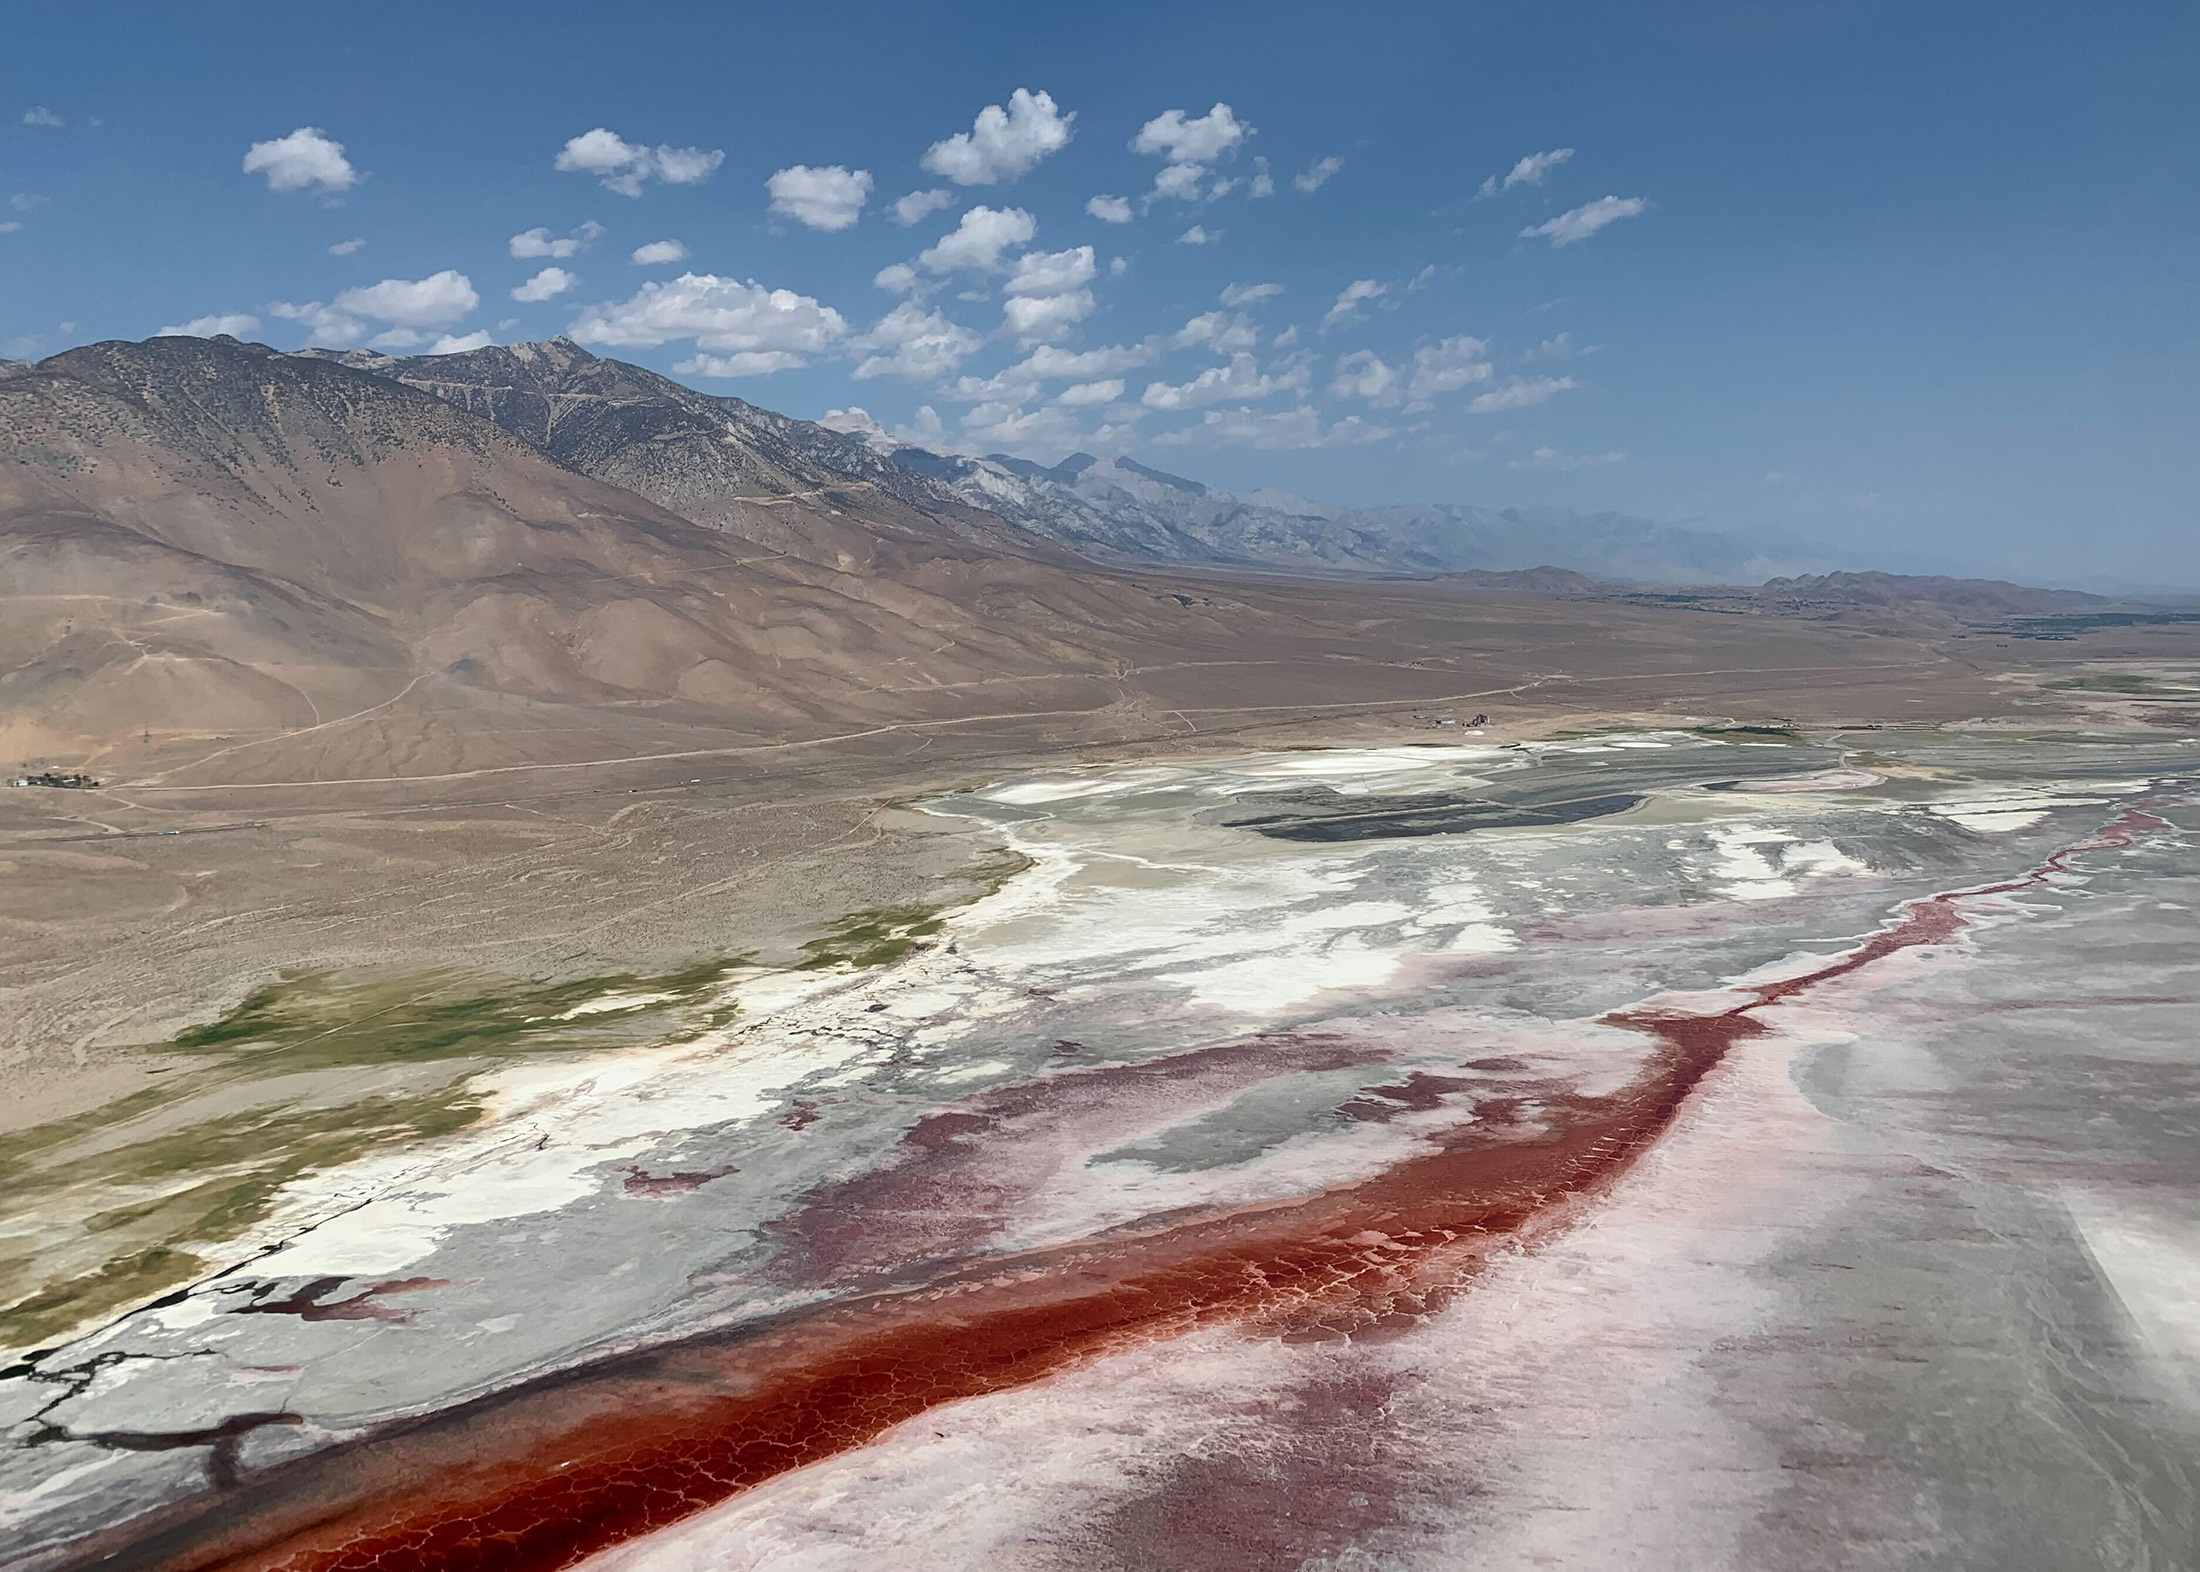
point(885, 934)
point(1782, 734)
point(113, 1207)
point(871, 938)
point(138, 1248)
point(314, 1020)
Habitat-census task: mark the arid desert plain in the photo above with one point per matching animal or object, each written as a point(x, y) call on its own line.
point(1177, 1134)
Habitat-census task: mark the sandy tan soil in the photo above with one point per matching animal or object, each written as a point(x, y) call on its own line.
point(581, 841)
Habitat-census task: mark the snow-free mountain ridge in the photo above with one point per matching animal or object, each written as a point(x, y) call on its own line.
point(625, 424)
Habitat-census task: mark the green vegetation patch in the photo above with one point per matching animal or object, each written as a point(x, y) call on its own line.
point(2124, 683)
point(885, 934)
point(112, 1207)
point(871, 938)
point(196, 1184)
point(58, 1307)
point(1749, 733)
point(315, 1020)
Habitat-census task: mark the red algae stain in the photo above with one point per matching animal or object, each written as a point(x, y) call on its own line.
point(1419, 1092)
point(961, 1175)
point(1317, 1480)
point(542, 1476)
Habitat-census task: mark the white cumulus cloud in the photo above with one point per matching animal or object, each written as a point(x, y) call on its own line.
point(539, 242)
point(306, 157)
point(1518, 395)
point(1242, 378)
point(1052, 272)
point(1047, 293)
point(1246, 427)
point(1177, 183)
point(40, 115)
point(1110, 209)
point(1560, 346)
point(742, 363)
point(625, 166)
point(854, 421)
point(915, 344)
point(1529, 171)
point(1224, 332)
point(659, 252)
point(235, 323)
point(1084, 393)
point(1183, 140)
point(917, 206)
point(1582, 222)
point(409, 308)
point(1199, 235)
point(1449, 366)
point(1347, 305)
point(324, 324)
point(1049, 363)
point(1188, 146)
point(978, 240)
point(449, 344)
point(546, 285)
point(1364, 374)
point(1004, 143)
point(436, 301)
point(993, 428)
point(344, 248)
point(746, 329)
point(1316, 175)
point(1037, 318)
point(896, 278)
point(1553, 458)
point(830, 198)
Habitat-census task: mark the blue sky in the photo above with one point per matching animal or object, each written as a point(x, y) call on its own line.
point(1920, 278)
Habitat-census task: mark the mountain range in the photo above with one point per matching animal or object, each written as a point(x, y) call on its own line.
point(1120, 509)
point(635, 428)
point(529, 553)
point(210, 535)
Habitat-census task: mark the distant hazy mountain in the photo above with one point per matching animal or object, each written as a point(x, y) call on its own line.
point(1973, 599)
point(1120, 509)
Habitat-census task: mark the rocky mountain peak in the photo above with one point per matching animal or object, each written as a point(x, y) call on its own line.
point(716, 460)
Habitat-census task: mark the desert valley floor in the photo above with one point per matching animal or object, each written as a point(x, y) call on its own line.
point(1747, 1146)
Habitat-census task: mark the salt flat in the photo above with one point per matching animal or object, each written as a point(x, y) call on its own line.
point(1889, 1247)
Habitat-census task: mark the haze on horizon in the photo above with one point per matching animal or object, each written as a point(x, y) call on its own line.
point(1918, 282)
